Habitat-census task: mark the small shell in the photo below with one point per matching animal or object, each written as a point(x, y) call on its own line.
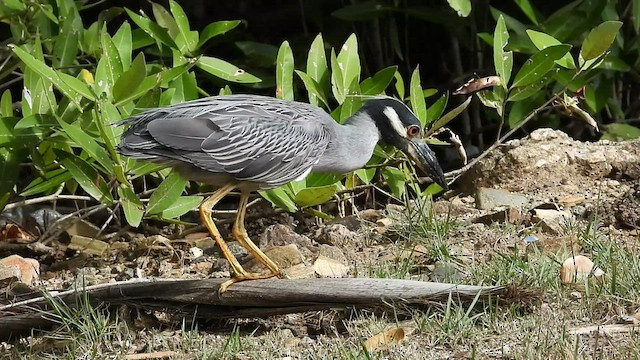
point(578, 269)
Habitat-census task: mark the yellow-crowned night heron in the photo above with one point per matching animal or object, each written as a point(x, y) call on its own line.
point(249, 142)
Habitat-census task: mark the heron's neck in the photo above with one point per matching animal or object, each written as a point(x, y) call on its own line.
point(351, 147)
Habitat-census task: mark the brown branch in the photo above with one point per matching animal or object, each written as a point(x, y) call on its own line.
point(260, 298)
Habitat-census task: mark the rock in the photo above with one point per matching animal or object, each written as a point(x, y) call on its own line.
point(9, 275)
point(578, 269)
point(351, 222)
point(327, 267)
point(301, 271)
point(552, 221)
point(280, 235)
point(446, 272)
point(382, 225)
point(333, 252)
point(487, 198)
point(16, 268)
point(509, 215)
point(284, 256)
point(88, 245)
point(196, 252)
point(237, 250)
point(204, 267)
point(335, 234)
point(371, 215)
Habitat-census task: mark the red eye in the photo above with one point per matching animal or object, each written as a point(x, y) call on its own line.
point(413, 130)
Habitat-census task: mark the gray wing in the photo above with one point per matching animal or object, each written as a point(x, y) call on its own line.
point(251, 138)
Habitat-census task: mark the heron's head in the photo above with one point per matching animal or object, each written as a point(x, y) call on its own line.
point(400, 128)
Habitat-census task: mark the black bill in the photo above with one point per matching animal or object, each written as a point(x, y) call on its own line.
point(426, 160)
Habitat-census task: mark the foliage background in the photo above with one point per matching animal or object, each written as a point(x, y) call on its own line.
point(78, 67)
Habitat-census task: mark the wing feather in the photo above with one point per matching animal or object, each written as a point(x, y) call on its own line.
point(252, 138)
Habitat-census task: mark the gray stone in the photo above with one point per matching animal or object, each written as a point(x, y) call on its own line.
point(487, 198)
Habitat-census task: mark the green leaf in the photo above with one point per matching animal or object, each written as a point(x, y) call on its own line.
point(154, 30)
point(313, 89)
point(130, 80)
point(313, 196)
point(87, 177)
point(445, 119)
point(88, 144)
point(164, 18)
point(190, 38)
point(225, 70)
point(9, 171)
point(284, 72)
point(181, 206)
point(462, 7)
point(539, 65)
point(166, 194)
point(77, 85)
point(599, 40)
point(215, 29)
point(52, 76)
point(418, 105)
point(523, 92)
point(131, 205)
point(503, 60)
point(281, 198)
point(521, 109)
point(621, 132)
point(543, 41)
point(19, 138)
point(349, 63)
point(109, 66)
point(528, 10)
point(48, 183)
point(317, 69)
point(366, 175)
point(395, 180)
point(379, 82)
point(336, 79)
point(437, 108)
point(6, 104)
point(147, 84)
point(399, 84)
point(66, 44)
point(123, 42)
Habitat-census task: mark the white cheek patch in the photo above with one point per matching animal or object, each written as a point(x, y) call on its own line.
point(395, 121)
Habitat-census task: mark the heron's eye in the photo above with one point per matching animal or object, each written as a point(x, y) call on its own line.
point(413, 130)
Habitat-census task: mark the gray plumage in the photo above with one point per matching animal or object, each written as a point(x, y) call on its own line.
point(259, 142)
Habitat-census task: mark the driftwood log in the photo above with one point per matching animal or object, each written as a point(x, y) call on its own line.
point(259, 298)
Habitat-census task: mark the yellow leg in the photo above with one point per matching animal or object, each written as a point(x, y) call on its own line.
point(205, 216)
point(240, 233)
point(238, 273)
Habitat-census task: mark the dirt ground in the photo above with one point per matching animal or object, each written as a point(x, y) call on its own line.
point(511, 220)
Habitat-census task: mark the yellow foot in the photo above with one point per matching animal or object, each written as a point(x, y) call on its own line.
point(248, 276)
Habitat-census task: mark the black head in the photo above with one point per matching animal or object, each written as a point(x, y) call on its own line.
point(400, 128)
point(394, 120)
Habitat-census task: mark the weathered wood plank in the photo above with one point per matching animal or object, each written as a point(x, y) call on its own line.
point(259, 298)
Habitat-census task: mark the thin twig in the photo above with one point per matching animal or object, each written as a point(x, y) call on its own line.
point(459, 172)
point(47, 198)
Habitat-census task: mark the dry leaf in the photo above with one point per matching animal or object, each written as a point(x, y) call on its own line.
point(383, 340)
point(477, 84)
point(88, 245)
point(327, 267)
